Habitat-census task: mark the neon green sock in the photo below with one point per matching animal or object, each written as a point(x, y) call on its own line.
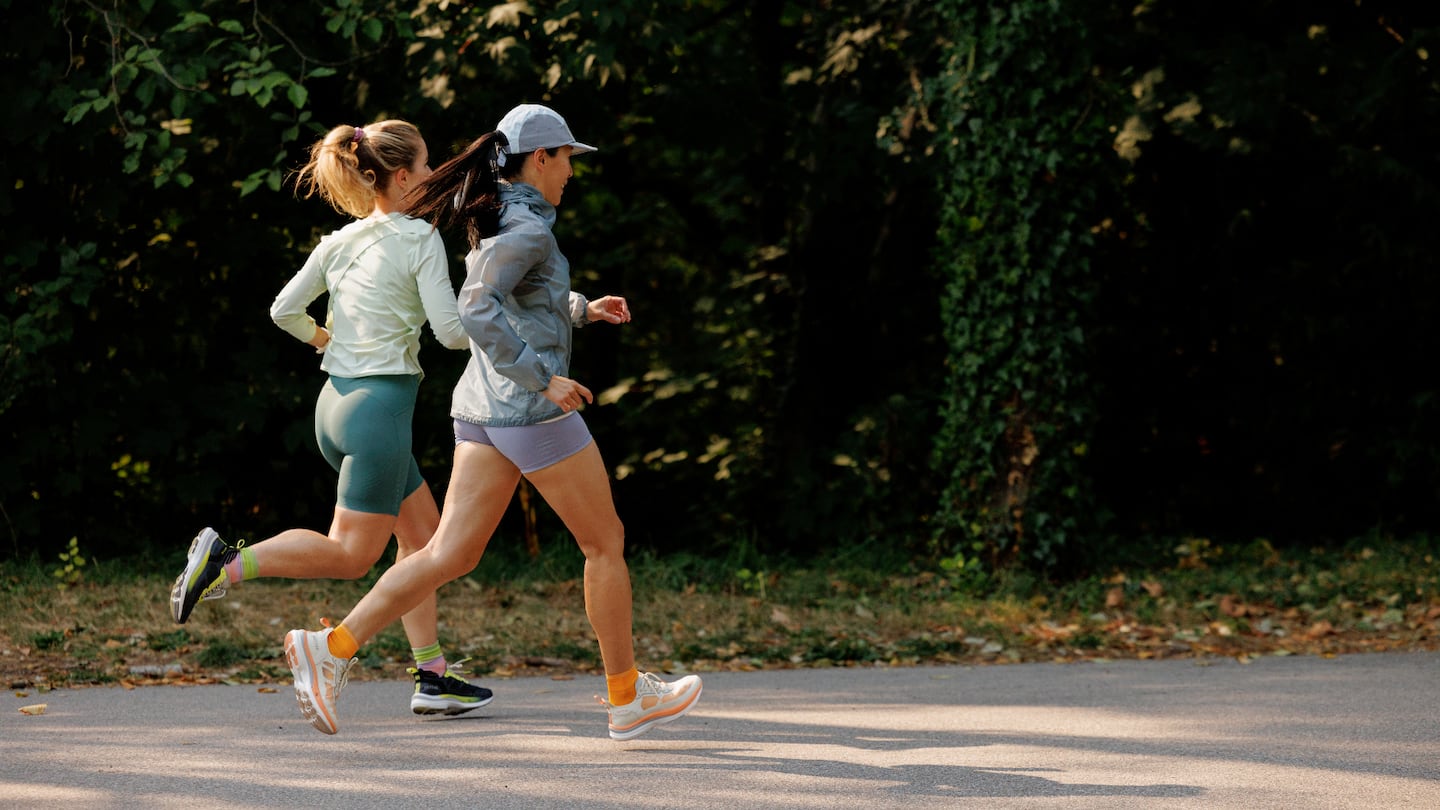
point(243, 566)
point(430, 659)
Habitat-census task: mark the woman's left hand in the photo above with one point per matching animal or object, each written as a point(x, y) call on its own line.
point(611, 308)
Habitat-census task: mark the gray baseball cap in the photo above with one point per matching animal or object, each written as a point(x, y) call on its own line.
point(534, 126)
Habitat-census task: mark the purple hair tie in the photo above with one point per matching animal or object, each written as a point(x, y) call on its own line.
point(359, 135)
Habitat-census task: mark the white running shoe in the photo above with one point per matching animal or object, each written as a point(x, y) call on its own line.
point(655, 702)
point(319, 676)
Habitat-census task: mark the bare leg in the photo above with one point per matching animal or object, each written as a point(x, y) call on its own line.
point(419, 519)
point(357, 540)
point(481, 484)
point(578, 489)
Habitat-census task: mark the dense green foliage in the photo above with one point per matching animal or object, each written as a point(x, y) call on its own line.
point(942, 273)
point(1020, 113)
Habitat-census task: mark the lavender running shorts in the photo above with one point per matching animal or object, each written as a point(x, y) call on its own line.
point(530, 447)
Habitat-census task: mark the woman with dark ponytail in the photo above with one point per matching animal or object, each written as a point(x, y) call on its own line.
point(516, 413)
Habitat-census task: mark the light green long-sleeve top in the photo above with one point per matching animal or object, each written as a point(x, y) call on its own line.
point(386, 276)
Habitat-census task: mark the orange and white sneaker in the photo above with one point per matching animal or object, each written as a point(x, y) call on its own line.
point(656, 702)
point(319, 676)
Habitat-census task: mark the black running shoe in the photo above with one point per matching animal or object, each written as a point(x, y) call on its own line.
point(445, 694)
point(204, 574)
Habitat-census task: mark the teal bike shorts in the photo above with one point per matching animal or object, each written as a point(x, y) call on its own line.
point(363, 427)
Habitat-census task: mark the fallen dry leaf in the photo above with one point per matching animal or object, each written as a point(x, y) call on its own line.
point(267, 690)
point(34, 708)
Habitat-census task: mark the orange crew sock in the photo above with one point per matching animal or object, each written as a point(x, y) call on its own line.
point(342, 644)
point(622, 687)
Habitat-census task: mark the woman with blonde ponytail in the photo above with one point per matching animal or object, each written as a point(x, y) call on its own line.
point(386, 273)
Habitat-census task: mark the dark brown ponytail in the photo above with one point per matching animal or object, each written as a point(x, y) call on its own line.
point(465, 189)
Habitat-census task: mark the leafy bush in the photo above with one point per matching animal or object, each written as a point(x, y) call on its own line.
point(1019, 204)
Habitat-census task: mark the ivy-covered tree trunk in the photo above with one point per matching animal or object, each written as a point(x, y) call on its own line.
point(1017, 119)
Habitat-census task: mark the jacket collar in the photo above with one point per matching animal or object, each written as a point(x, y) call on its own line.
point(517, 193)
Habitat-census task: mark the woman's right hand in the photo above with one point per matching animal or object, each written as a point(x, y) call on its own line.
point(321, 339)
point(567, 393)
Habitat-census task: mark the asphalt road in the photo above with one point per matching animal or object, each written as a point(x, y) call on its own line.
point(1301, 732)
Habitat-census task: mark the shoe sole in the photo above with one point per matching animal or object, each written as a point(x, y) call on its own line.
point(303, 667)
point(659, 720)
point(425, 706)
point(178, 608)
